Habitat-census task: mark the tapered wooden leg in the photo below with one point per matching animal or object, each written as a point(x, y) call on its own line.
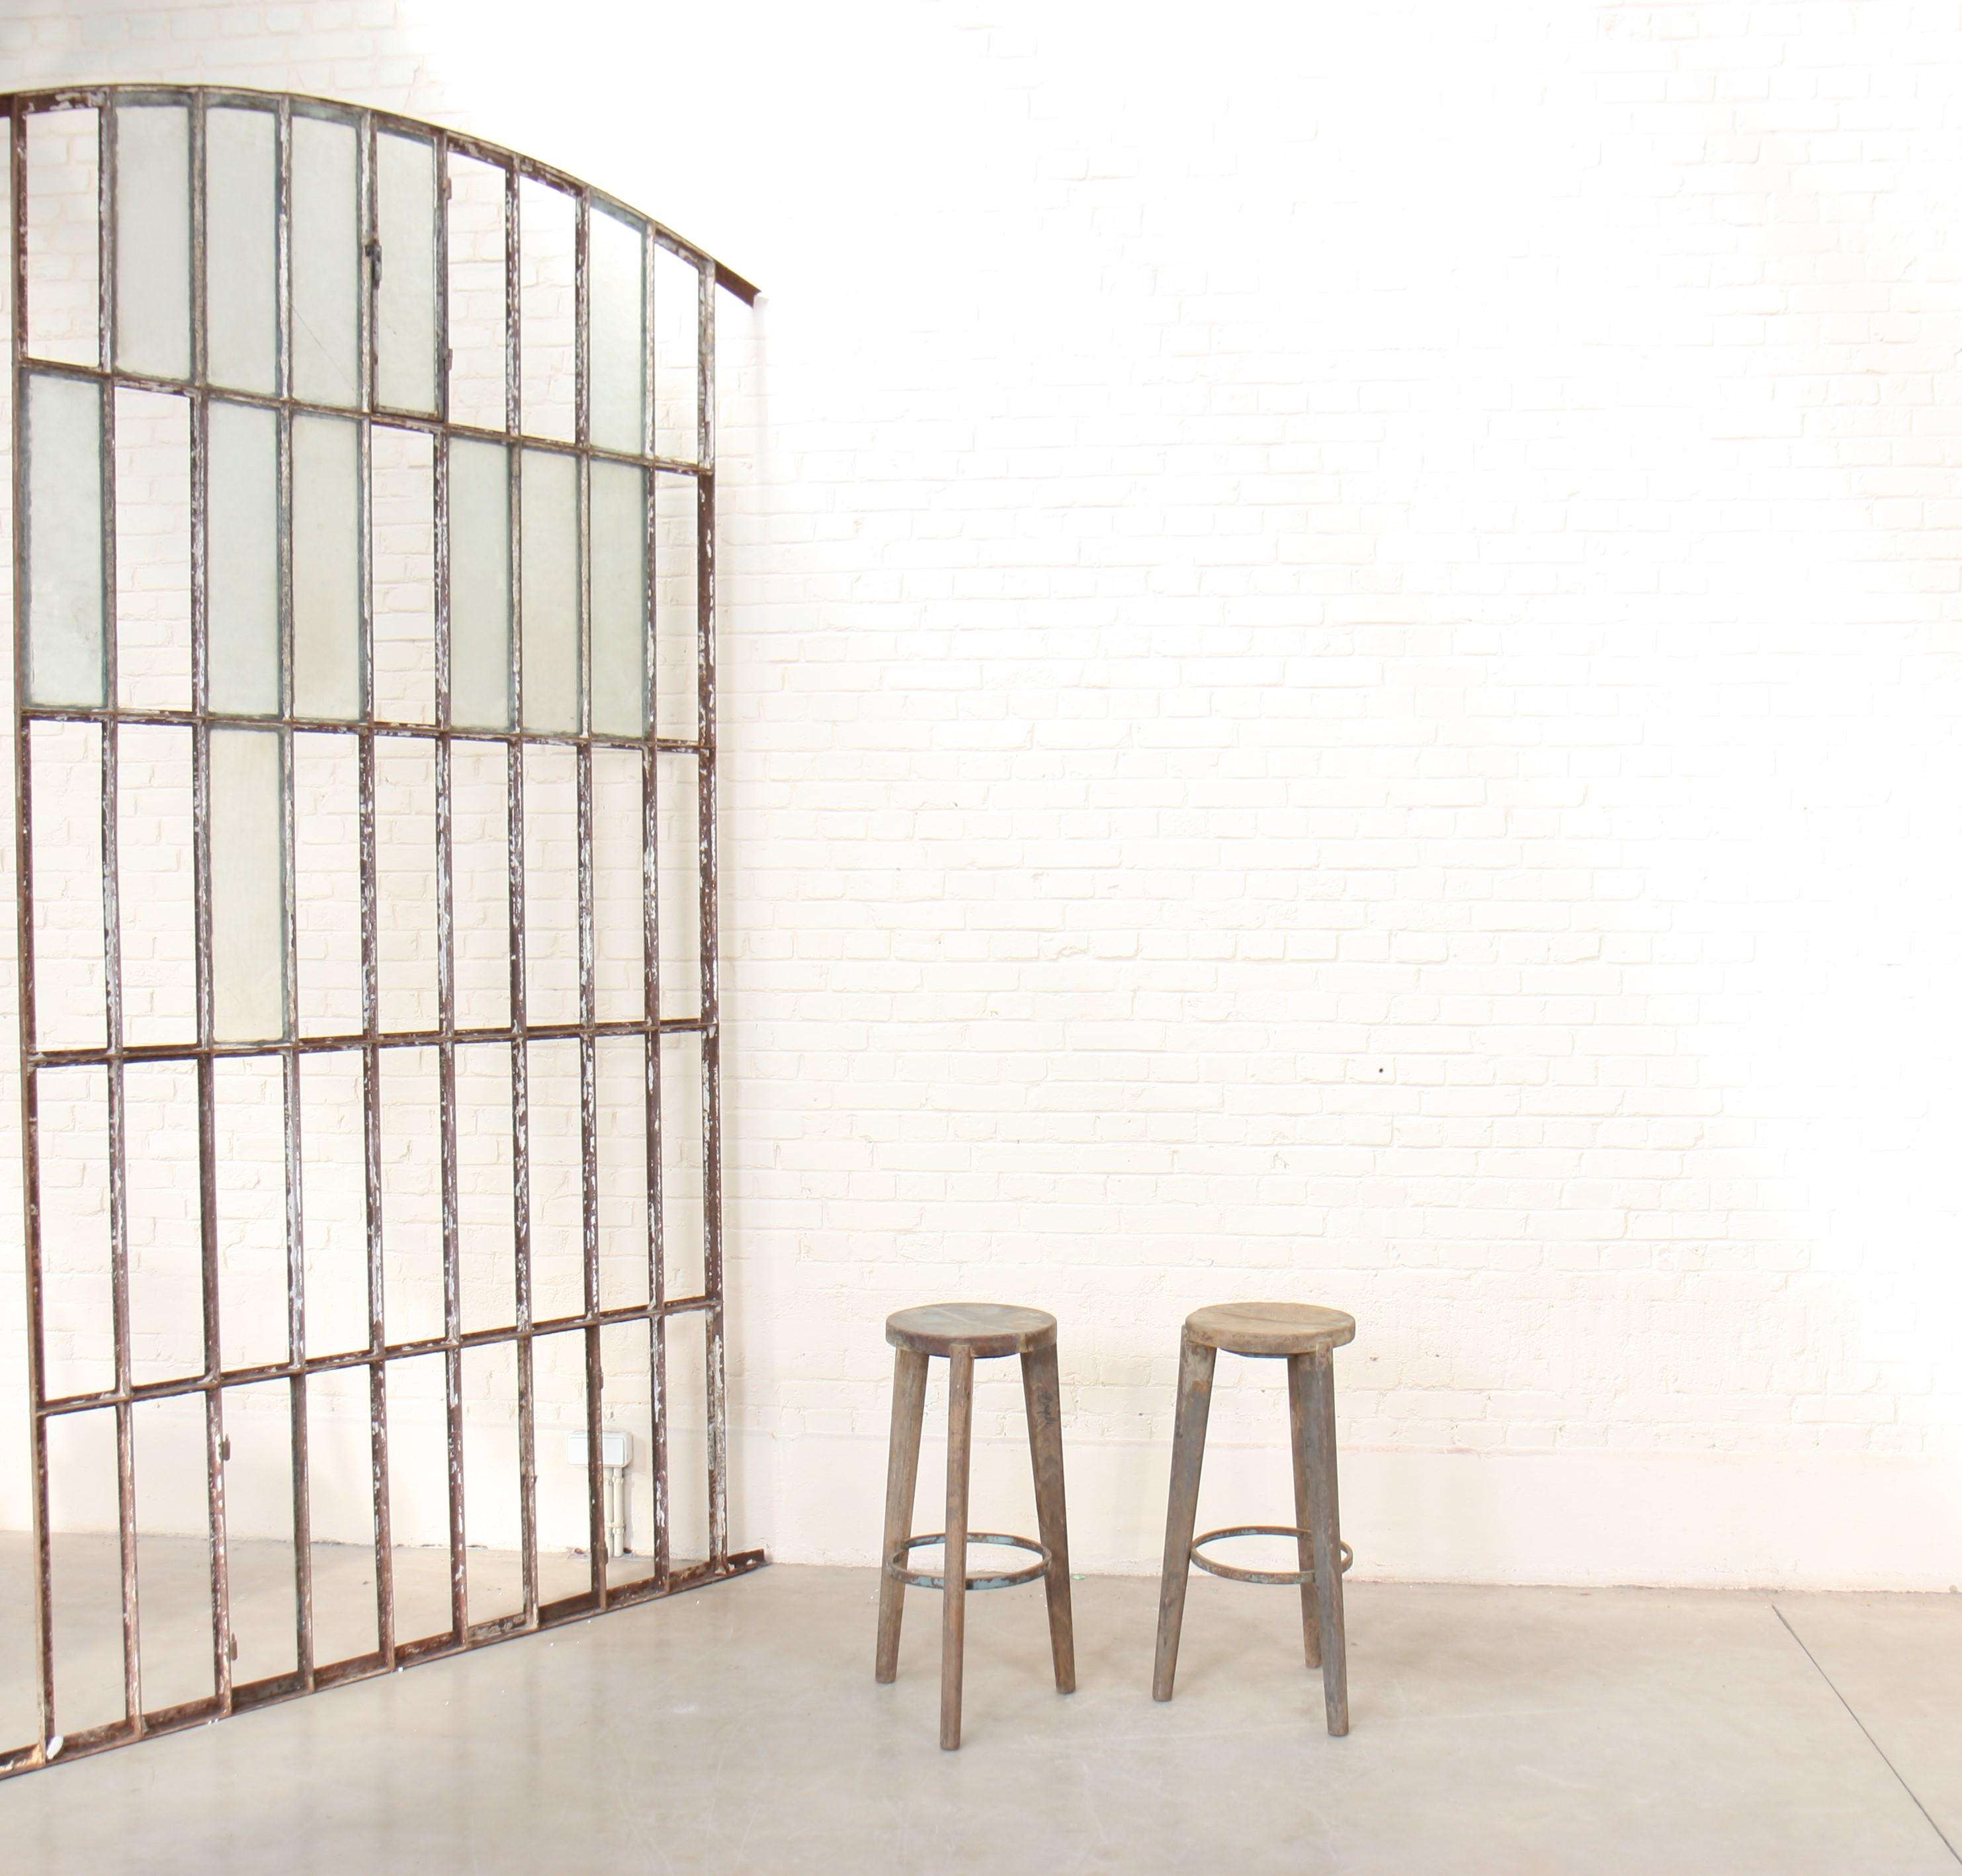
point(1188, 1454)
point(1042, 1395)
point(1311, 1613)
point(1325, 1518)
point(953, 1601)
point(902, 1474)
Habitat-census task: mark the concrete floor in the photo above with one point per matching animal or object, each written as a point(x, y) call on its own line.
point(739, 1729)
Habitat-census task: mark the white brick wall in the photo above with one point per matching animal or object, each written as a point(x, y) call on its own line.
point(1340, 681)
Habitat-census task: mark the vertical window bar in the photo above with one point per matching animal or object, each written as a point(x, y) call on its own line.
point(30, 1158)
point(290, 1064)
point(371, 999)
point(207, 1145)
point(650, 960)
point(521, 1156)
point(589, 1097)
point(290, 1093)
point(446, 919)
point(712, 1024)
point(112, 952)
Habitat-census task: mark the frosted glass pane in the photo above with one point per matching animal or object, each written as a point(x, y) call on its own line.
point(617, 341)
point(248, 929)
point(64, 495)
point(153, 239)
point(326, 567)
point(405, 297)
point(619, 599)
point(548, 619)
point(479, 586)
point(241, 323)
point(326, 242)
point(242, 560)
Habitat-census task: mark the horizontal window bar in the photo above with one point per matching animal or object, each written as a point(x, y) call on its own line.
point(339, 726)
point(349, 1044)
point(367, 1358)
point(390, 419)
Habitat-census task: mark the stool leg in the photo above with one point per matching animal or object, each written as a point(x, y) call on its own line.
point(1042, 1396)
point(1319, 1385)
point(1188, 1454)
point(1304, 1515)
point(953, 1601)
point(902, 1474)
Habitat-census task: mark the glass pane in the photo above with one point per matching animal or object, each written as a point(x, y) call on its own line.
point(152, 550)
point(683, 1216)
point(678, 881)
point(619, 525)
point(551, 889)
point(677, 595)
point(402, 499)
point(476, 294)
point(64, 496)
point(65, 846)
point(153, 239)
point(326, 241)
point(241, 324)
point(248, 926)
point(153, 850)
point(61, 238)
point(677, 356)
point(617, 342)
point(405, 295)
point(479, 586)
point(548, 619)
point(546, 320)
point(242, 561)
point(326, 567)
point(619, 903)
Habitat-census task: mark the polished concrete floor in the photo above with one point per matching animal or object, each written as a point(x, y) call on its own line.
point(738, 1729)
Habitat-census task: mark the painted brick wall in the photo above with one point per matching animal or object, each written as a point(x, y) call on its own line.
point(1341, 681)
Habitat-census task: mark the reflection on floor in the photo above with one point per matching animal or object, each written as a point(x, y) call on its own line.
point(738, 1728)
point(174, 1592)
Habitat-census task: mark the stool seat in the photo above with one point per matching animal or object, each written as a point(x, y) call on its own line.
point(982, 1330)
point(1270, 1328)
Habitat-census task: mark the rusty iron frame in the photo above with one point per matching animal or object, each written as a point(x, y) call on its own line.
point(367, 1044)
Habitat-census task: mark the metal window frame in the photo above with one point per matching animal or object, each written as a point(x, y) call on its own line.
point(369, 1042)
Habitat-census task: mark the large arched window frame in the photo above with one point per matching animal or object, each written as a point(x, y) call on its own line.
point(280, 270)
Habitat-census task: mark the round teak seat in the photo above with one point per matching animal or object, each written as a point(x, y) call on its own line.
point(1270, 1328)
point(985, 1331)
point(962, 1333)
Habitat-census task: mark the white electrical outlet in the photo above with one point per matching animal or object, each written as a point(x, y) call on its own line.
point(616, 1447)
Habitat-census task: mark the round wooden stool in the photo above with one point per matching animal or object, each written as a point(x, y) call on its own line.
point(965, 1333)
point(1307, 1337)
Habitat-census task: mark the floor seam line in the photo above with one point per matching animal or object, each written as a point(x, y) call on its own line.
point(1870, 1740)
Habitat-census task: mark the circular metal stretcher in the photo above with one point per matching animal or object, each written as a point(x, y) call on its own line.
point(1294, 1578)
point(1006, 1579)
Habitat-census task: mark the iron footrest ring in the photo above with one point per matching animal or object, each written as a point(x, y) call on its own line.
point(1295, 1577)
point(1007, 1579)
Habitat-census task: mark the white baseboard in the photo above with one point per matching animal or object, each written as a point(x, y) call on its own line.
point(1674, 1520)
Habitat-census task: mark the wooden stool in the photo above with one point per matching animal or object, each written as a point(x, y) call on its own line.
point(1308, 1338)
point(966, 1333)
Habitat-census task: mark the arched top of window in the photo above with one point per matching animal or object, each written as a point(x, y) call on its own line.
point(278, 248)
